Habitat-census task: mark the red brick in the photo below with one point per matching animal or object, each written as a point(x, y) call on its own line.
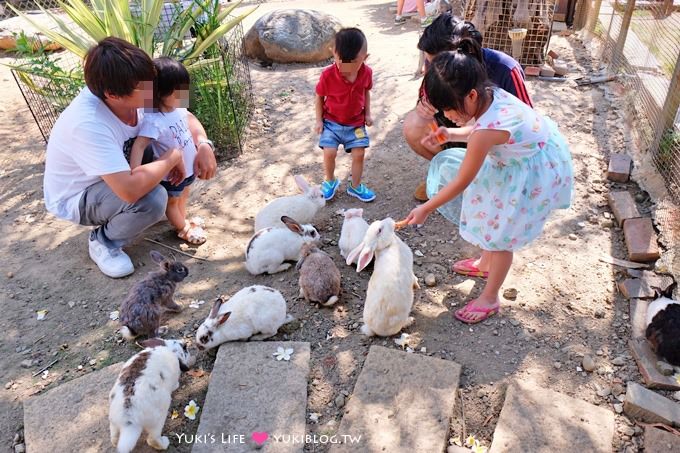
point(619, 167)
point(646, 360)
point(635, 288)
point(660, 441)
point(532, 70)
point(641, 240)
point(623, 206)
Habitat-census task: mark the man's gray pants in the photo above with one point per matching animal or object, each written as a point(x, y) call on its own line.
point(119, 223)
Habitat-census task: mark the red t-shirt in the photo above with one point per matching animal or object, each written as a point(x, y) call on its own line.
point(344, 101)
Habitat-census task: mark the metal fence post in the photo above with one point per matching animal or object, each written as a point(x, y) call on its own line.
point(617, 54)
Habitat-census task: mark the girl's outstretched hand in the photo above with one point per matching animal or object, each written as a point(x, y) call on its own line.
point(418, 215)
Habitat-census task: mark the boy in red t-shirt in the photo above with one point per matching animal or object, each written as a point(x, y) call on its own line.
point(343, 111)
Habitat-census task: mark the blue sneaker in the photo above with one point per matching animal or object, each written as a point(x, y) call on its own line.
point(328, 188)
point(361, 192)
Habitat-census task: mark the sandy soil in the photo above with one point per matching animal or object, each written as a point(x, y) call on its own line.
point(566, 306)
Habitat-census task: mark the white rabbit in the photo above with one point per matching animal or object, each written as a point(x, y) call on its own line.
point(353, 230)
point(302, 207)
point(389, 296)
point(140, 398)
point(269, 248)
point(255, 312)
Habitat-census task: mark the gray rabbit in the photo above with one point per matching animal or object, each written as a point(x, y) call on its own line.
point(140, 312)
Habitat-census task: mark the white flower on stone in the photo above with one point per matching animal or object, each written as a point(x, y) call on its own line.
point(283, 354)
point(314, 417)
point(113, 316)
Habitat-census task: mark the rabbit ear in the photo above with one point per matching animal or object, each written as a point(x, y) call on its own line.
point(223, 318)
point(152, 343)
point(351, 256)
point(216, 308)
point(365, 258)
point(156, 256)
point(299, 263)
point(301, 183)
point(292, 225)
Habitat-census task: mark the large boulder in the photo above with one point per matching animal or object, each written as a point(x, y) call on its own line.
point(292, 36)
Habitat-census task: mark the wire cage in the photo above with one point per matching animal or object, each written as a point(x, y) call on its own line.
point(526, 22)
point(221, 99)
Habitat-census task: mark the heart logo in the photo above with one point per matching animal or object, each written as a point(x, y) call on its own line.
point(259, 437)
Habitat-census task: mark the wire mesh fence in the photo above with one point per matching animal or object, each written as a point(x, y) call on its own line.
point(221, 84)
point(520, 28)
point(642, 44)
point(24, 5)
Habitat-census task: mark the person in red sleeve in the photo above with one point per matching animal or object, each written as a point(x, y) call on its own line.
point(343, 111)
point(503, 71)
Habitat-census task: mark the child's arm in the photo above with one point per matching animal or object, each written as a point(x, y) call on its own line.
point(478, 148)
point(367, 109)
point(137, 152)
point(318, 107)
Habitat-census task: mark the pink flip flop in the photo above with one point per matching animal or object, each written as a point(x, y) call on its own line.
point(467, 267)
point(469, 308)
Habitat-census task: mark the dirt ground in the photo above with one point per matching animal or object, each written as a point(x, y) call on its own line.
point(566, 306)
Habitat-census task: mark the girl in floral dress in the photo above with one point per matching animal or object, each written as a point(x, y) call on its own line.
point(516, 170)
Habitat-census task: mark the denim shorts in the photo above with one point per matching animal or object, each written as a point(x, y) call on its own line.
point(176, 191)
point(335, 134)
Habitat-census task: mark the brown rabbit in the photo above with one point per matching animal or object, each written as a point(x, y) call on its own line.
point(319, 276)
point(140, 312)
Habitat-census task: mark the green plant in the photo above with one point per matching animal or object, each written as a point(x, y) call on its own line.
point(45, 75)
point(115, 18)
point(219, 100)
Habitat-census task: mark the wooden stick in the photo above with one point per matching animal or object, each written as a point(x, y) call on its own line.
point(39, 339)
point(176, 250)
point(45, 368)
point(623, 263)
point(462, 412)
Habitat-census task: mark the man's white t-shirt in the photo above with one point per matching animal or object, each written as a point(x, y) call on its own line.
point(86, 142)
point(170, 130)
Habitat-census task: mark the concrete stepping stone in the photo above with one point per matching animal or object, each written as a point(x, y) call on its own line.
point(623, 206)
point(75, 416)
point(646, 360)
point(254, 400)
point(619, 167)
point(402, 403)
point(649, 406)
point(539, 420)
point(641, 240)
point(660, 441)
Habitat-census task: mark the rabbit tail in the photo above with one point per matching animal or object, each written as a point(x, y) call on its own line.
point(127, 333)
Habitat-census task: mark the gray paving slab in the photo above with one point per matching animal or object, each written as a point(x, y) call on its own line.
point(74, 416)
point(660, 441)
point(539, 420)
point(402, 403)
point(255, 401)
point(650, 407)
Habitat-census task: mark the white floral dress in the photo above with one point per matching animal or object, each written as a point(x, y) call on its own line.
point(519, 183)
